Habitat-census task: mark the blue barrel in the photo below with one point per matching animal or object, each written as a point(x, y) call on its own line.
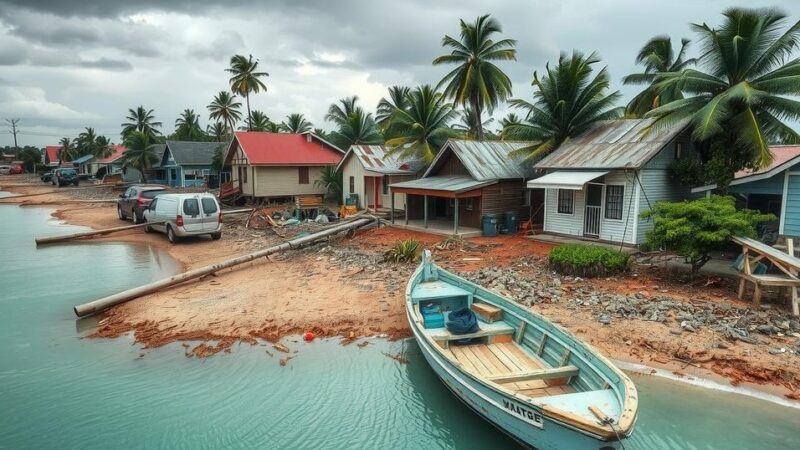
point(489, 222)
point(512, 222)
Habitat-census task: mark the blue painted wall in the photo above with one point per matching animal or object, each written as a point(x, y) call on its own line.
point(791, 224)
point(772, 185)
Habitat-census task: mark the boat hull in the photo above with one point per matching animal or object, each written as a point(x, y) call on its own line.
point(519, 420)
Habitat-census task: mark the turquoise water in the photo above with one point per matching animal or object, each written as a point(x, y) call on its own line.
point(61, 390)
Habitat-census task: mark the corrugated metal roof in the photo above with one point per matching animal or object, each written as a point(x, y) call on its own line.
point(783, 157)
point(449, 183)
point(568, 179)
point(82, 159)
point(376, 158)
point(486, 160)
point(611, 144)
point(193, 153)
point(285, 149)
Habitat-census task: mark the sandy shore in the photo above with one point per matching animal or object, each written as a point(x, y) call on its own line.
point(344, 289)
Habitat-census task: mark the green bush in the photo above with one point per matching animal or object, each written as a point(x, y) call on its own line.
point(403, 251)
point(587, 260)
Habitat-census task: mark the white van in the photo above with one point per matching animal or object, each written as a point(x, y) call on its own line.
point(180, 215)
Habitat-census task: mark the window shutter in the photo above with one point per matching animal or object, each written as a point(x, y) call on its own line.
point(303, 175)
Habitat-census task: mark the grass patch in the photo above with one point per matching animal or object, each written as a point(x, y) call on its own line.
point(404, 251)
point(587, 260)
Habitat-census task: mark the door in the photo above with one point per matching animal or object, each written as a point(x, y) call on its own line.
point(192, 216)
point(165, 210)
point(594, 205)
point(128, 200)
point(210, 213)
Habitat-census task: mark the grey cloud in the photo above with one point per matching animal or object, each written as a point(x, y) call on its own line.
point(107, 64)
point(219, 48)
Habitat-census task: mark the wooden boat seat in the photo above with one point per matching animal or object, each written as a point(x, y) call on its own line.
point(541, 374)
point(486, 330)
point(431, 290)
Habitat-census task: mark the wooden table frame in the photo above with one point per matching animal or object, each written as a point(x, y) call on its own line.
point(785, 262)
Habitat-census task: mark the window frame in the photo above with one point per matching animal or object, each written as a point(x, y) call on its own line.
point(469, 204)
point(572, 202)
point(352, 184)
point(678, 150)
point(197, 205)
point(621, 202)
point(385, 185)
point(303, 176)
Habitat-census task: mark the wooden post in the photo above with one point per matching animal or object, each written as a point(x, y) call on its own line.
point(391, 213)
point(455, 219)
point(795, 301)
point(67, 237)
point(405, 207)
point(424, 211)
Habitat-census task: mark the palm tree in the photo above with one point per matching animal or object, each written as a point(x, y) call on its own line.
point(296, 123)
point(386, 107)
point(508, 120)
point(477, 81)
point(657, 57)
point(739, 104)
point(259, 121)
point(568, 99)
point(422, 128)
point(187, 127)
point(86, 142)
point(246, 79)
point(141, 120)
point(330, 180)
point(320, 133)
point(224, 107)
point(358, 128)
point(139, 153)
point(104, 148)
point(219, 131)
point(469, 124)
point(338, 113)
point(66, 150)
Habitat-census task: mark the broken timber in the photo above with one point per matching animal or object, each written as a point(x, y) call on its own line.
point(124, 296)
point(83, 234)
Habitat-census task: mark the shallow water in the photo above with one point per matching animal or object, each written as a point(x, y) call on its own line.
point(58, 389)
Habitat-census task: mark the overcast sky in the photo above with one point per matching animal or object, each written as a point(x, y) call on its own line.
point(67, 64)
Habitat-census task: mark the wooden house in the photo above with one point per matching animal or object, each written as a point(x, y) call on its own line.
point(279, 165)
point(597, 184)
point(367, 172)
point(466, 180)
point(185, 163)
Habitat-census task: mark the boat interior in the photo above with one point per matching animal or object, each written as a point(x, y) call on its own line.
point(513, 354)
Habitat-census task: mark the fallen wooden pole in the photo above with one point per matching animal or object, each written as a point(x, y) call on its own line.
point(237, 211)
point(68, 237)
point(124, 296)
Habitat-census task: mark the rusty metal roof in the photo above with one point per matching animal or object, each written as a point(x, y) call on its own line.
point(448, 183)
point(612, 144)
point(375, 158)
point(486, 160)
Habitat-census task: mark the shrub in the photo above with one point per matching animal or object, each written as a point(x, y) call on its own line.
point(694, 228)
point(403, 251)
point(587, 260)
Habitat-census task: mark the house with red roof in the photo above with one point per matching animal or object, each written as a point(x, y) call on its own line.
point(279, 165)
point(772, 189)
point(50, 155)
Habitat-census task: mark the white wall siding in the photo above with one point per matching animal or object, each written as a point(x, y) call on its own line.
point(564, 223)
point(284, 181)
point(353, 168)
point(620, 230)
point(656, 185)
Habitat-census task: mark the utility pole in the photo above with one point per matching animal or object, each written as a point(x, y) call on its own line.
point(13, 123)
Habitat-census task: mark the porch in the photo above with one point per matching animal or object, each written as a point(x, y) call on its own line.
point(441, 227)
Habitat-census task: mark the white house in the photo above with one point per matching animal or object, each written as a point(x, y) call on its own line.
point(598, 183)
point(368, 170)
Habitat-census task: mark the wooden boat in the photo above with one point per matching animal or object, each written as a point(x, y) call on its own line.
point(532, 379)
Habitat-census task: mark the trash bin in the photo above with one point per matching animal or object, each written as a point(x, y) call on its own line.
point(489, 223)
point(352, 200)
point(511, 222)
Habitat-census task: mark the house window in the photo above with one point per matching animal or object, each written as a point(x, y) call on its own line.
point(385, 184)
point(243, 174)
point(678, 150)
point(302, 175)
point(468, 204)
point(566, 201)
point(352, 185)
point(614, 195)
point(527, 198)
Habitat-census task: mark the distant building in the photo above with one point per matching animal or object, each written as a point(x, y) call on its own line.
point(279, 165)
point(367, 172)
point(50, 156)
point(186, 163)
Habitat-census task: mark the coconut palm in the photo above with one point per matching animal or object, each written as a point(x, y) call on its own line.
point(320, 133)
point(477, 81)
point(296, 123)
point(139, 152)
point(387, 106)
point(187, 127)
point(740, 102)
point(66, 150)
point(86, 142)
point(508, 120)
point(338, 113)
point(141, 120)
point(468, 124)
point(657, 57)
point(422, 127)
point(567, 100)
point(246, 78)
point(225, 108)
point(331, 181)
point(103, 147)
point(258, 121)
point(218, 131)
point(358, 128)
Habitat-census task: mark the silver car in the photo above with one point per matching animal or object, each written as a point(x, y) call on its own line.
point(180, 215)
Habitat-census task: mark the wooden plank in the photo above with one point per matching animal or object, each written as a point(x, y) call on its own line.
point(523, 355)
point(495, 366)
point(541, 374)
point(461, 357)
point(523, 362)
point(480, 368)
point(520, 332)
point(487, 312)
point(542, 343)
point(510, 364)
point(565, 358)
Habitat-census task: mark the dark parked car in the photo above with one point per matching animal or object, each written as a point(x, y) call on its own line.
point(47, 177)
point(135, 199)
point(65, 176)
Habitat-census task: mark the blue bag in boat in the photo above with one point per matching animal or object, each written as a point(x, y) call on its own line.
point(462, 321)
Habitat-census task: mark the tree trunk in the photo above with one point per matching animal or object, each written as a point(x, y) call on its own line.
point(249, 117)
point(476, 107)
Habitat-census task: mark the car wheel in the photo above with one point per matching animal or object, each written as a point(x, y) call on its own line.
point(147, 229)
point(136, 219)
point(120, 214)
point(171, 236)
point(216, 236)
